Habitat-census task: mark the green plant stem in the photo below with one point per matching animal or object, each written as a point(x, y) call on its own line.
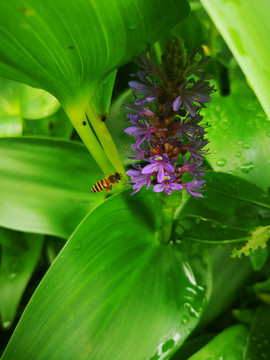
point(77, 115)
point(169, 204)
point(105, 139)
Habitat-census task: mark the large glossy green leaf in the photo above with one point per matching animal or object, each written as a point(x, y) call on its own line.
point(226, 285)
point(205, 231)
point(229, 345)
point(19, 101)
point(239, 136)
point(56, 126)
point(231, 201)
point(258, 343)
point(67, 46)
point(45, 185)
point(114, 292)
point(16, 268)
point(245, 26)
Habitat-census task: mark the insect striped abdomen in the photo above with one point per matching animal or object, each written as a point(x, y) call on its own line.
point(99, 186)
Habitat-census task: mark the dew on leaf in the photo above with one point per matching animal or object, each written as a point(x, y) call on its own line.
point(238, 154)
point(221, 162)
point(245, 168)
point(12, 276)
point(184, 319)
point(6, 324)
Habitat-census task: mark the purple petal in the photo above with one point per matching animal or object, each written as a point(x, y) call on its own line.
point(148, 183)
point(175, 186)
point(190, 107)
point(160, 175)
point(177, 103)
point(194, 194)
point(139, 141)
point(134, 119)
point(133, 173)
point(142, 88)
point(148, 98)
point(168, 191)
point(149, 169)
point(158, 188)
point(168, 167)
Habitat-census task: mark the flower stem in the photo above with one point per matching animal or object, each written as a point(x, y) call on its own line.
point(78, 118)
point(105, 139)
point(169, 204)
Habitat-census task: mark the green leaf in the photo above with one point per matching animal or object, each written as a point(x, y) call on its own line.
point(16, 268)
point(239, 136)
point(227, 287)
point(57, 125)
point(114, 292)
point(262, 286)
point(245, 27)
point(68, 47)
point(229, 345)
point(102, 97)
point(230, 201)
point(45, 185)
point(258, 342)
point(18, 101)
point(234, 196)
point(11, 239)
point(191, 346)
point(258, 258)
point(206, 231)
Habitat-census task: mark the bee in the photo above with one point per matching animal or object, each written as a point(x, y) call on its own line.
point(106, 183)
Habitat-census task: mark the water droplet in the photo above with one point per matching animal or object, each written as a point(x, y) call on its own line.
point(221, 162)
point(238, 154)
point(167, 345)
point(77, 246)
point(15, 266)
point(246, 146)
point(133, 27)
point(12, 276)
point(245, 168)
point(191, 310)
point(6, 324)
point(184, 319)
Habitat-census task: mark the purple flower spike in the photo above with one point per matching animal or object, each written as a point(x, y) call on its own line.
point(167, 122)
point(194, 187)
point(168, 185)
point(159, 164)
